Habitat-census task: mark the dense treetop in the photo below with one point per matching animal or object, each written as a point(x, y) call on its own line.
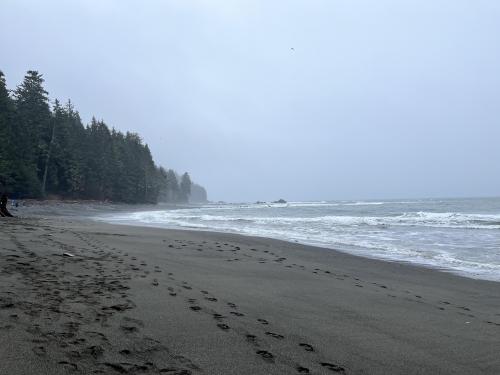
point(49, 152)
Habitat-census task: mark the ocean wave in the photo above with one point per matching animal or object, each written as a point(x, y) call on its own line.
point(426, 219)
point(466, 243)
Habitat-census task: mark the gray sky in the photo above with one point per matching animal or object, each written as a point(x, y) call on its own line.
point(377, 99)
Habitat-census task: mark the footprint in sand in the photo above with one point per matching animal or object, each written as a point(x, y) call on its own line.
point(275, 335)
point(266, 355)
point(306, 347)
point(218, 316)
point(333, 367)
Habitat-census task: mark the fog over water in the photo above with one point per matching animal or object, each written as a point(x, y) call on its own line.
point(304, 100)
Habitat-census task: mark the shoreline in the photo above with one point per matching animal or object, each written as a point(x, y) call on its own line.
point(39, 209)
point(97, 210)
point(321, 250)
point(147, 300)
point(436, 268)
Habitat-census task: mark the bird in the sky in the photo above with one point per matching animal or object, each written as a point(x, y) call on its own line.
point(293, 49)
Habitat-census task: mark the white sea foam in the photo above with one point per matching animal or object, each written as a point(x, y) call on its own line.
point(428, 219)
point(464, 241)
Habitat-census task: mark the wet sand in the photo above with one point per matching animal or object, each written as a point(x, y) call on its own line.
point(151, 301)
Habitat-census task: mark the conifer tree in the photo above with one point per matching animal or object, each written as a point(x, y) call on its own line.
point(185, 187)
point(32, 131)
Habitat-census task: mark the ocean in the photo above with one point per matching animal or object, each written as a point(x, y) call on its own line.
point(453, 235)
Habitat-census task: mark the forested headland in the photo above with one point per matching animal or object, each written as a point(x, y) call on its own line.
point(46, 151)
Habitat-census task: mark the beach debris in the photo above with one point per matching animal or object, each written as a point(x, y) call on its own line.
point(68, 255)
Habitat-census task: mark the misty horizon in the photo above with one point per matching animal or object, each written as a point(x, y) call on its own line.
point(262, 101)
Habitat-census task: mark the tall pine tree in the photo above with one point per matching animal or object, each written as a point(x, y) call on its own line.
point(32, 132)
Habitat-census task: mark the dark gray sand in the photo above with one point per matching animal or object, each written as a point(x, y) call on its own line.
point(150, 301)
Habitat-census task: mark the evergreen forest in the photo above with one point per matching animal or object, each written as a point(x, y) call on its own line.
point(46, 151)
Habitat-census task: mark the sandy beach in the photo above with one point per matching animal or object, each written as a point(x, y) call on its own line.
point(136, 300)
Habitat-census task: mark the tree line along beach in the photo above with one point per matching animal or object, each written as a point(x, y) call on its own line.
point(48, 152)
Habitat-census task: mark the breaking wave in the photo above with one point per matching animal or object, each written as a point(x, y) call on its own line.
point(460, 236)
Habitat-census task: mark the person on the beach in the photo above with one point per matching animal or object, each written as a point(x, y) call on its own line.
point(3, 206)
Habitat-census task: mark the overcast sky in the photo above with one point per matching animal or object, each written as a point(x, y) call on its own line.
point(304, 100)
